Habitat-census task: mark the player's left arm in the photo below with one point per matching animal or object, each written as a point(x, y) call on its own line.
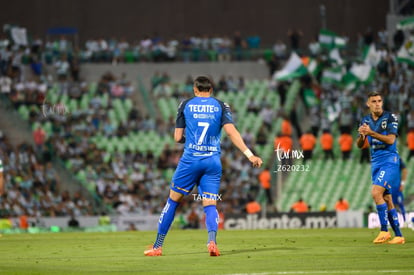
point(388, 139)
point(238, 141)
point(179, 135)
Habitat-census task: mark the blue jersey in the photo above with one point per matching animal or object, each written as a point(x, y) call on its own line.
point(386, 124)
point(202, 118)
point(397, 195)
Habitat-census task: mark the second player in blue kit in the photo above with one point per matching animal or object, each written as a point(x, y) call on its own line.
point(381, 129)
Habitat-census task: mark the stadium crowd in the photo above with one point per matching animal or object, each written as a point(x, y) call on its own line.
point(147, 49)
point(34, 186)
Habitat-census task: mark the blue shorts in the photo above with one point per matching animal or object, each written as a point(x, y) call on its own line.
point(397, 197)
point(386, 175)
point(203, 172)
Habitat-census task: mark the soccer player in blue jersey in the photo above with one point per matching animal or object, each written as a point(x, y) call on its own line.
point(381, 129)
point(198, 125)
point(397, 190)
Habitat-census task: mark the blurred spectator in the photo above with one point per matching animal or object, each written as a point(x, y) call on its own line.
point(39, 137)
point(410, 143)
point(282, 89)
point(262, 135)
point(280, 50)
point(286, 127)
point(252, 207)
point(327, 143)
point(248, 138)
point(253, 41)
point(104, 219)
point(186, 46)
point(62, 67)
point(341, 205)
point(132, 227)
point(307, 142)
point(193, 219)
point(267, 114)
point(273, 65)
point(23, 222)
point(284, 143)
point(253, 105)
point(299, 207)
point(345, 142)
point(346, 120)
point(239, 45)
point(314, 48)
point(294, 35)
point(398, 39)
point(73, 222)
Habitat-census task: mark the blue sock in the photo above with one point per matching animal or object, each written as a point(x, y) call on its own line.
point(165, 221)
point(402, 209)
point(393, 219)
point(211, 222)
point(382, 214)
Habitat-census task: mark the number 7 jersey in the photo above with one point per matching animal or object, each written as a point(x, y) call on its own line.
point(202, 118)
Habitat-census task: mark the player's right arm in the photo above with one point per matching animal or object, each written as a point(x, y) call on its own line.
point(360, 140)
point(238, 141)
point(180, 124)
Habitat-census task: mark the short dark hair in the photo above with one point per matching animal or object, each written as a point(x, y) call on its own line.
point(374, 93)
point(203, 84)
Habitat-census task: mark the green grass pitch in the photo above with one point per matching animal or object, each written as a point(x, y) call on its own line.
point(303, 251)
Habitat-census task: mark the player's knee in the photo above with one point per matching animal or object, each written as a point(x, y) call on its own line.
point(377, 195)
point(207, 202)
point(175, 196)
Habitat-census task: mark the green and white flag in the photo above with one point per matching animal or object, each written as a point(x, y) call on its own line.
point(293, 68)
point(370, 56)
point(328, 39)
point(310, 97)
point(406, 24)
point(333, 75)
point(314, 67)
point(340, 42)
point(365, 73)
point(19, 36)
point(406, 53)
point(350, 82)
point(335, 56)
